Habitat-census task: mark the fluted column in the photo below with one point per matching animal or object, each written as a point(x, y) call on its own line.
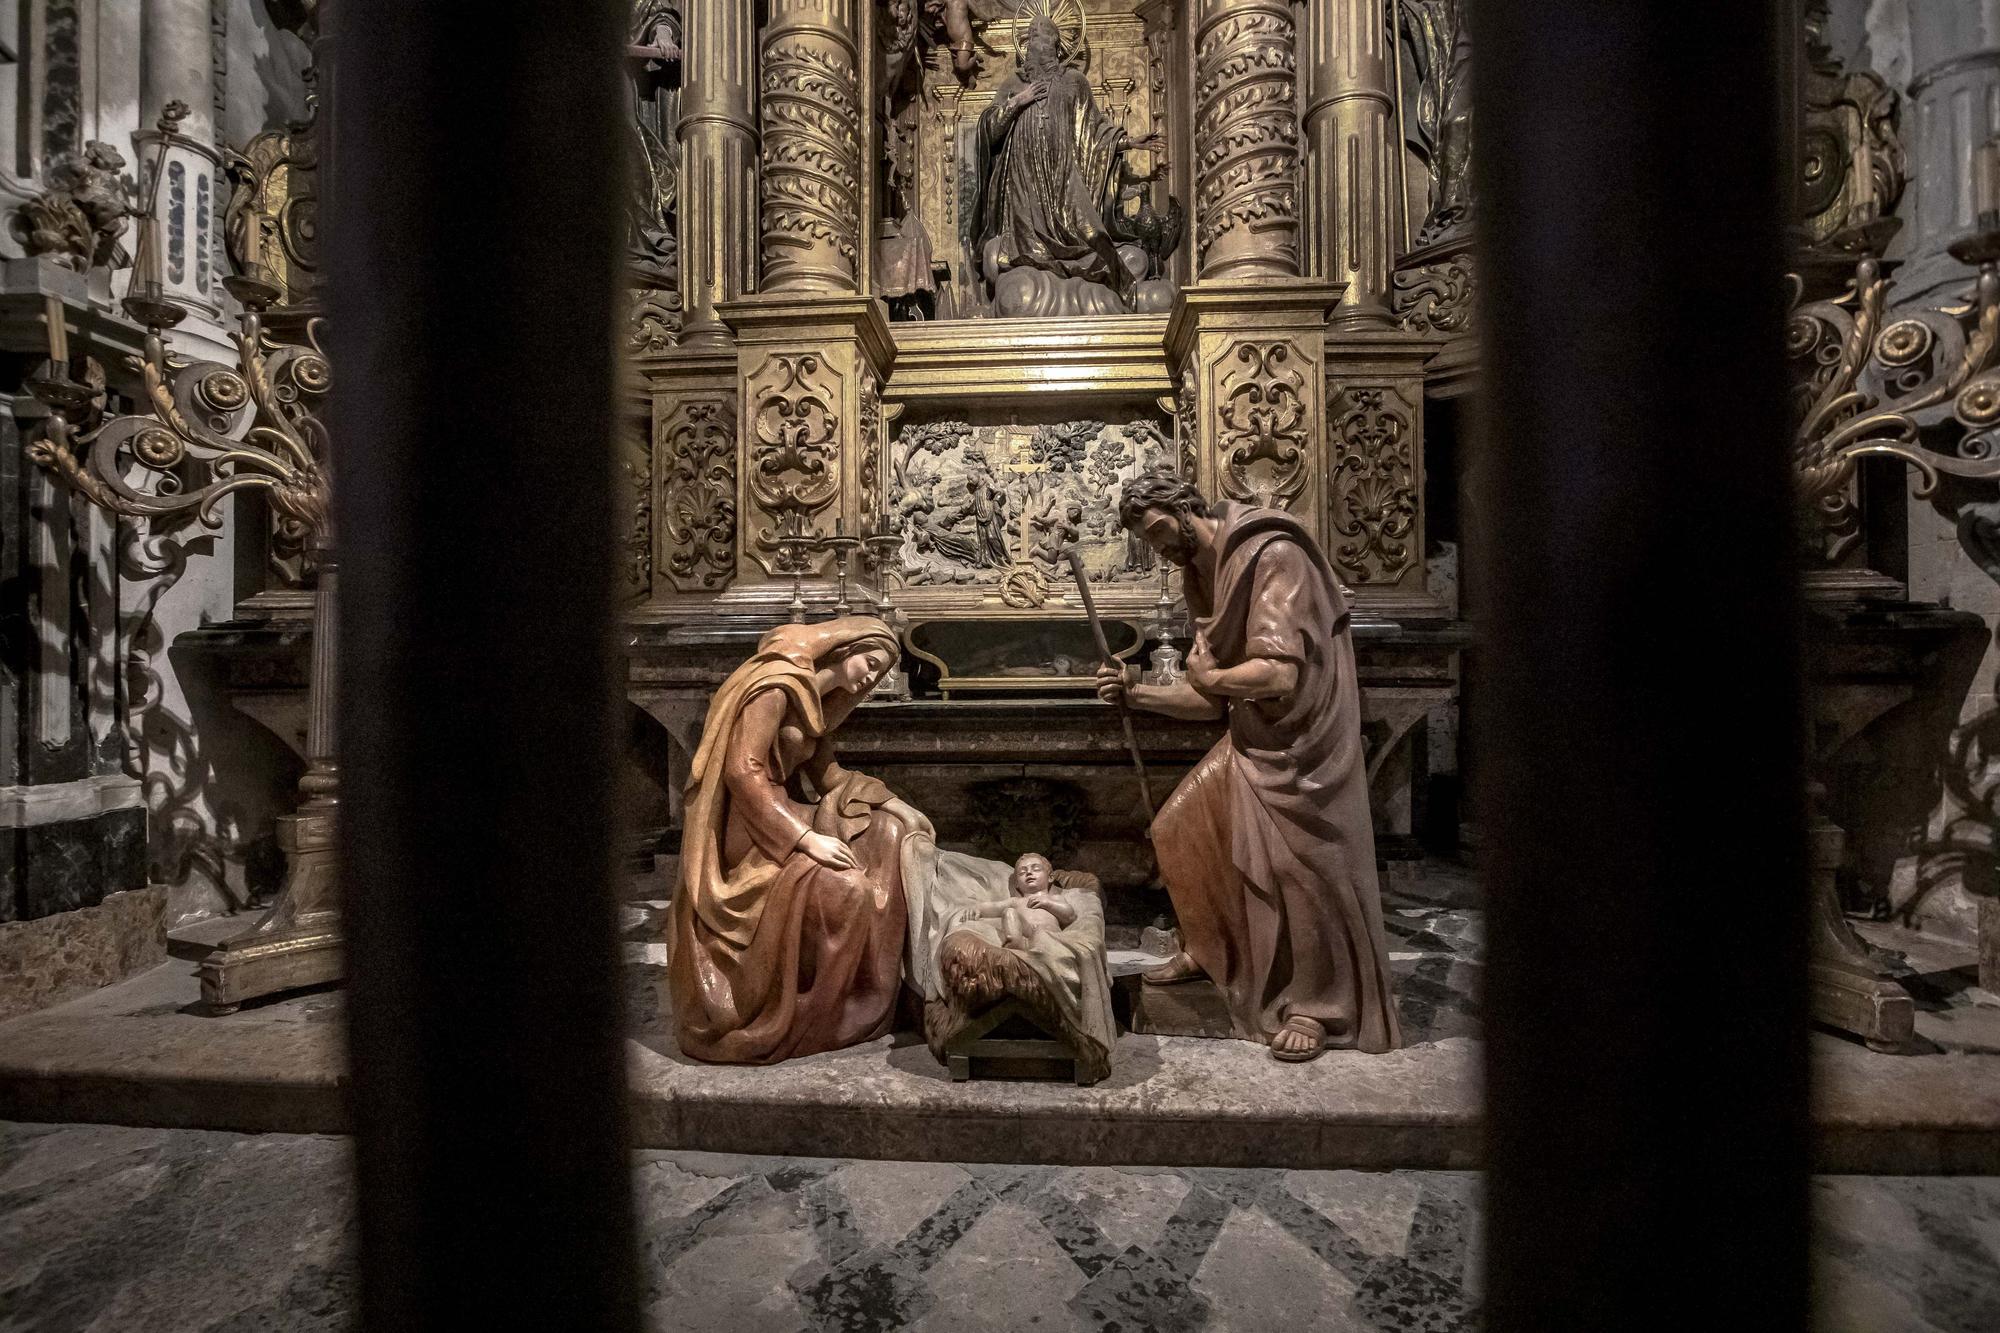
point(1350, 168)
point(1954, 105)
point(718, 137)
point(812, 146)
point(1246, 141)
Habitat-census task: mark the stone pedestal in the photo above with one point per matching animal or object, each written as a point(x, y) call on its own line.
point(809, 380)
point(1375, 470)
point(1250, 372)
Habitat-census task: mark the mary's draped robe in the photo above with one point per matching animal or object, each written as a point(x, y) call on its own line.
point(1267, 847)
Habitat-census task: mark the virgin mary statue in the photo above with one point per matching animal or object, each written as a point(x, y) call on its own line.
point(789, 918)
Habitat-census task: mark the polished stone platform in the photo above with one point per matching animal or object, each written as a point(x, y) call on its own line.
point(142, 1053)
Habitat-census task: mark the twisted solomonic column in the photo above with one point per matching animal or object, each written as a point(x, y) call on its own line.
point(812, 147)
point(1246, 140)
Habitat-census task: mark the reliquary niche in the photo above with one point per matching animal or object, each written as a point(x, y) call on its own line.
point(947, 147)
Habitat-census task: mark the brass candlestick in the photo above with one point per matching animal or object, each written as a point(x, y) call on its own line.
point(252, 426)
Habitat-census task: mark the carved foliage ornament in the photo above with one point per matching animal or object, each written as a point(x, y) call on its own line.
point(1186, 424)
point(697, 458)
point(1246, 133)
point(79, 219)
point(794, 455)
point(1263, 425)
point(871, 442)
point(1437, 297)
point(1373, 483)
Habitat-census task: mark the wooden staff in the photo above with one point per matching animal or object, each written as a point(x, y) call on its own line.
point(1075, 559)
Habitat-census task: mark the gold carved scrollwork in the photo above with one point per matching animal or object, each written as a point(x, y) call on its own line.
point(1187, 426)
point(872, 498)
point(1373, 483)
point(1437, 298)
point(1851, 165)
point(794, 456)
point(812, 157)
point(1831, 345)
point(697, 448)
point(1263, 426)
point(1246, 139)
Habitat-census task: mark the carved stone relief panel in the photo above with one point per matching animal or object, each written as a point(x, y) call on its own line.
point(695, 457)
point(1373, 433)
point(996, 505)
point(794, 402)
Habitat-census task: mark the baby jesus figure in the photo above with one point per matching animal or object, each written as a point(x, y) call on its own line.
point(1033, 908)
point(1042, 944)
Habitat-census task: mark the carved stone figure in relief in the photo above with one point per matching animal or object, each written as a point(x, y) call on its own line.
point(1049, 173)
point(1267, 847)
point(654, 64)
point(1442, 50)
point(975, 504)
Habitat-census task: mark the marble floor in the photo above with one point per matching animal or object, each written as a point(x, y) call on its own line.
point(113, 1230)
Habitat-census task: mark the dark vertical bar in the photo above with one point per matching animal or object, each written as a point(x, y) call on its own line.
point(1640, 738)
point(473, 247)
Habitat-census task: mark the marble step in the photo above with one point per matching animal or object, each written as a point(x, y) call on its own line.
point(141, 1053)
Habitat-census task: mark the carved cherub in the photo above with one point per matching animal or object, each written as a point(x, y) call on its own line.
point(81, 216)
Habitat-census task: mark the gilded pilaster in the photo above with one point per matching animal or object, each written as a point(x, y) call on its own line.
point(812, 146)
point(1251, 393)
point(809, 373)
point(1350, 172)
point(718, 137)
point(1374, 470)
point(1246, 141)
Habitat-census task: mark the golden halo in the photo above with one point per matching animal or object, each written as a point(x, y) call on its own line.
point(1067, 15)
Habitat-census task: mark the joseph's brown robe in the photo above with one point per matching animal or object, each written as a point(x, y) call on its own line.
point(1267, 848)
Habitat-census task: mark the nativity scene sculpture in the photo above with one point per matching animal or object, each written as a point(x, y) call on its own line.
point(810, 895)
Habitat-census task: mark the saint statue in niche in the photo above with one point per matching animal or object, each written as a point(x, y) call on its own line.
point(1051, 168)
